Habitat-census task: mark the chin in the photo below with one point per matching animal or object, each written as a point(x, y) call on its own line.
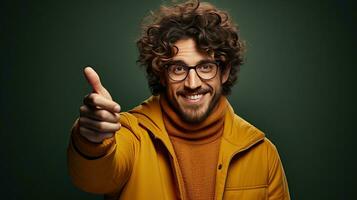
point(194, 116)
point(195, 113)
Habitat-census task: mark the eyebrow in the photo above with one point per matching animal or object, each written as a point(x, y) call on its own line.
point(184, 63)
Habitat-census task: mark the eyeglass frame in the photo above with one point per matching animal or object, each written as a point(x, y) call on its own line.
point(189, 67)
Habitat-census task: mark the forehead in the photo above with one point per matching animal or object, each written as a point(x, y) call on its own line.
point(188, 52)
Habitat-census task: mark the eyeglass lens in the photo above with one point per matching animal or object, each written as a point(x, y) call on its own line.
point(206, 71)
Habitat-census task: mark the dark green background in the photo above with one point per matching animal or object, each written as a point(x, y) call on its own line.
point(297, 86)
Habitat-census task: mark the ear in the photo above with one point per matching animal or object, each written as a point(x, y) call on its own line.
point(225, 73)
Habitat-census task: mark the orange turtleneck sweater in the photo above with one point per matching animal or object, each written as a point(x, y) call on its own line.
point(196, 147)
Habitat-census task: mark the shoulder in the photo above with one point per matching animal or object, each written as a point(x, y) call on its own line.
point(245, 131)
point(271, 149)
point(242, 124)
point(240, 132)
point(270, 152)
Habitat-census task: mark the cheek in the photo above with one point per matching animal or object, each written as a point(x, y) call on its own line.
point(216, 83)
point(172, 89)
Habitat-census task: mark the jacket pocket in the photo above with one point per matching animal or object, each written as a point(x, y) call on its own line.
point(258, 192)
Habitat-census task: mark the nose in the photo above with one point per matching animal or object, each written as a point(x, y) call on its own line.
point(192, 80)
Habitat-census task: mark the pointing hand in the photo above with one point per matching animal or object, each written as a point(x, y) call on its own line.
point(99, 114)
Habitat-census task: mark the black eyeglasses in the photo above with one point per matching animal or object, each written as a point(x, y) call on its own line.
point(179, 71)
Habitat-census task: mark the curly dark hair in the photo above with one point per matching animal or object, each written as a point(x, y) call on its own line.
point(212, 30)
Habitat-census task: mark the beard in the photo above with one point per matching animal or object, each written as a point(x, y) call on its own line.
point(194, 113)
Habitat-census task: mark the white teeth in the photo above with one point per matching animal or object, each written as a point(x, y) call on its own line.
point(194, 97)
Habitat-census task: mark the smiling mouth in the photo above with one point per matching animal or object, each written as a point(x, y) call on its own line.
point(192, 98)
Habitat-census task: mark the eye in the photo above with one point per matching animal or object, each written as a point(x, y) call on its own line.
point(178, 69)
point(206, 67)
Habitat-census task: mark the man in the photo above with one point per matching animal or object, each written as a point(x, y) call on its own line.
point(184, 142)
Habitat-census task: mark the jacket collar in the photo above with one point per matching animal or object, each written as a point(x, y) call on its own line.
point(237, 131)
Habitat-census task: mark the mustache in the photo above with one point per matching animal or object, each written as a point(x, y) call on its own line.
point(188, 91)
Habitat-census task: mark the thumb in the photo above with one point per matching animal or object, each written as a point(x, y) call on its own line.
point(94, 81)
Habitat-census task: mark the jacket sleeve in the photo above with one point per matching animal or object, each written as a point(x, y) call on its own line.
point(277, 184)
point(101, 168)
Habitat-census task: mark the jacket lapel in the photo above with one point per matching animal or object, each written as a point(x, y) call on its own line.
point(149, 115)
point(238, 136)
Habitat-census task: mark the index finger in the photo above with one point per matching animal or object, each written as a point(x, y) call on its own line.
point(100, 101)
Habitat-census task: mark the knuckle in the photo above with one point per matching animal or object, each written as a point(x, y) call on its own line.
point(116, 104)
point(81, 129)
point(82, 109)
point(102, 114)
point(81, 120)
point(91, 95)
point(101, 125)
point(91, 98)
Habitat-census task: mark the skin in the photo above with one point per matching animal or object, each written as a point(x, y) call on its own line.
point(208, 91)
point(99, 114)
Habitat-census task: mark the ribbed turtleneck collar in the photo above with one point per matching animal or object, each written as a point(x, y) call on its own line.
point(208, 129)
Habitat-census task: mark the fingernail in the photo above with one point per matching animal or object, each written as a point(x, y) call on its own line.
point(117, 108)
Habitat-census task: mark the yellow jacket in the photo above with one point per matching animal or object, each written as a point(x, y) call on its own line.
point(141, 164)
